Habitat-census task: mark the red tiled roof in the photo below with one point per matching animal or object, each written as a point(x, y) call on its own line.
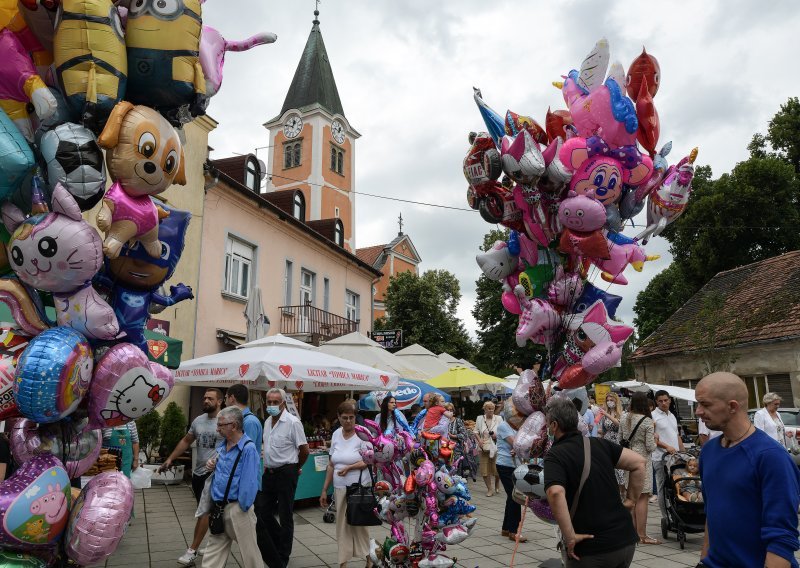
point(370, 254)
point(233, 167)
point(757, 302)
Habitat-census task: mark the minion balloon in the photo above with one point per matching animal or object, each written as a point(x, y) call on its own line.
point(163, 41)
point(90, 59)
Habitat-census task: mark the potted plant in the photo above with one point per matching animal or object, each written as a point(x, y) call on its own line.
point(171, 428)
point(149, 427)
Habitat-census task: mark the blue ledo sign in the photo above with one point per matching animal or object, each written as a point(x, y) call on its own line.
point(406, 395)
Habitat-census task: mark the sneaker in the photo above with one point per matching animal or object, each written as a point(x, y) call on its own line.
point(188, 558)
point(653, 499)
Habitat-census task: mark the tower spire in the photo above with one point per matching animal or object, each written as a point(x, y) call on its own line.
point(316, 14)
point(400, 223)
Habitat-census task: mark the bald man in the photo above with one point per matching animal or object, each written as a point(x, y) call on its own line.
point(751, 486)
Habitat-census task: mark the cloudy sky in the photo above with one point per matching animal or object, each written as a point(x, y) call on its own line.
point(405, 72)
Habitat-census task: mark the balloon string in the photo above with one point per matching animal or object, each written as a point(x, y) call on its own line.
point(519, 532)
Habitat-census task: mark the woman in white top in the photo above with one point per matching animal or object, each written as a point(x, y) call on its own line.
point(768, 419)
point(486, 430)
point(346, 468)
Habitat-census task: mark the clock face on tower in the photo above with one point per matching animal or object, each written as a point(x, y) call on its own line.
point(293, 127)
point(338, 131)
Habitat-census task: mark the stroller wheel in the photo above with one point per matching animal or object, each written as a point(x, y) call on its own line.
point(329, 518)
point(664, 528)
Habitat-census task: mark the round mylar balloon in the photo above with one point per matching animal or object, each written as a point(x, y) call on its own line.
point(53, 374)
point(541, 508)
point(99, 518)
point(69, 441)
point(34, 504)
point(126, 386)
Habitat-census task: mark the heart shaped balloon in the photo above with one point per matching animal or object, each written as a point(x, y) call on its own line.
point(75, 446)
point(99, 518)
point(126, 386)
point(34, 504)
point(53, 374)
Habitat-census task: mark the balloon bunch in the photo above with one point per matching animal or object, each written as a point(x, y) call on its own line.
point(97, 79)
point(424, 502)
point(568, 190)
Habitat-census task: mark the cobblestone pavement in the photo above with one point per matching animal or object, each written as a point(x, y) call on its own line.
point(164, 524)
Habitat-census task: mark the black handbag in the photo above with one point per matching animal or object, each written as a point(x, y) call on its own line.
point(627, 443)
point(216, 518)
point(361, 504)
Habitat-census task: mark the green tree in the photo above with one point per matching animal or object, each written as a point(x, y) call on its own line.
point(424, 307)
point(784, 132)
point(173, 428)
point(498, 351)
point(665, 293)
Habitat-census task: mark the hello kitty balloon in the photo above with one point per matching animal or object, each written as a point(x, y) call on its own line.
point(59, 252)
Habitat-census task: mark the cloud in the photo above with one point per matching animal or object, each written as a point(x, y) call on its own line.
point(405, 72)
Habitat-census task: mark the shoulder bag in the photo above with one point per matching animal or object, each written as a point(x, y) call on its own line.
point(626, 443)
point(216, 518)
point(361, 504)
point(587, 465)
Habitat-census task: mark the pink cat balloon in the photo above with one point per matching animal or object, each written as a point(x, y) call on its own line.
point(126, 386)
point(59, 252)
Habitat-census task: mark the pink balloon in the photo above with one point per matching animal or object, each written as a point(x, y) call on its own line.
point(99, 518)
point(531, 437)
point(521, 395)
point(212, 54)
point(77, 448)
point(126, 386)
point(34, 505)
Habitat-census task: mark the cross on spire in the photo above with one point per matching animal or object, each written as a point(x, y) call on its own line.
point(400, 223)
point(316, 12)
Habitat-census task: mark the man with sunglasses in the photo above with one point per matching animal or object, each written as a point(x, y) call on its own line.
point(285, 450)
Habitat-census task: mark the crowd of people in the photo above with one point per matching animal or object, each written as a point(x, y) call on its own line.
point(251, 471)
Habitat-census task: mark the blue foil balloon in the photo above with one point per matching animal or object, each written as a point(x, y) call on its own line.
point(16, 157)
point(53, 375)
point(591, 294)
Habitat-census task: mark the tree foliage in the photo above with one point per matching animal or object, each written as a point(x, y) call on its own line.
point(745, 216)
point(424, 307)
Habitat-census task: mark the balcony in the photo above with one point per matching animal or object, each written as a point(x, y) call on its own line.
point(313, 325)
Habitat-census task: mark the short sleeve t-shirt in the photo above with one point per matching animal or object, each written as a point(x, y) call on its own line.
point(504, 457)
point(613, 527)
point(343, 453)
point(204, 430)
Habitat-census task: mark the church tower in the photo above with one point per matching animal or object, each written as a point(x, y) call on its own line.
point(313, 145)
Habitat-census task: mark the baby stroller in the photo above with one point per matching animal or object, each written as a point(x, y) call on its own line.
point(683, 517)
point(329, 516)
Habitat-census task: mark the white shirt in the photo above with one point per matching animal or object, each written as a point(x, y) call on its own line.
point(703, 430)
point(666, 426)
point(773, 428)
point(282, 442)
point(343, 453)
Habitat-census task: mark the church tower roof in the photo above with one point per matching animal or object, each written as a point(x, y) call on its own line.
point(313, 82)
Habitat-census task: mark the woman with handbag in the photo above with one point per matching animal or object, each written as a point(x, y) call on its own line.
point(346, 469)
point(486, 430)
point(636, 431)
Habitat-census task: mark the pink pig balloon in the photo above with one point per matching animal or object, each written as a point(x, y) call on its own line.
point(126, 386)
point(582, 212)
point(99, 518)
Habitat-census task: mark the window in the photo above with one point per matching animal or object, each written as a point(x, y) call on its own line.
point(292, 154)
point(299, 206)
point(238, 267)
point(337, 159)
point(326, 295)
point(351, 302)
point(307, 281)
point(252, 175)
point(338, 233)
point(287, 284)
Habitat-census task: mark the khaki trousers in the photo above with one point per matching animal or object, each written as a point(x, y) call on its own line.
point(241, 527)
point(353, 541)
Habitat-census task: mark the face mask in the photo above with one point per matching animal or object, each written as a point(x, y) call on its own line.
point(611, 404)
point(273, 410)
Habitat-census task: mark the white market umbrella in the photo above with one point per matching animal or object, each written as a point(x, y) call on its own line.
point(257, 321)
point(359, 348)
point(677, 392)
point(422, 359)
point(278, 361)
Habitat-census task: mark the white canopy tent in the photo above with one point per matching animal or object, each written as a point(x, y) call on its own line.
point(422, 359)
point(284, 362)
point(361, 349)
point(677, 392)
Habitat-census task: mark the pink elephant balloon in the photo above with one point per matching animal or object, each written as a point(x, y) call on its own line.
point(99, 517)
point(67, 440)
point(34, 505)
point(126, 386)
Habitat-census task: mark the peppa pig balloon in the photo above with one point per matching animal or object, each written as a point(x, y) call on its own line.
point(53, 375)
point(76, 447)
point(34, 505)
point(99, 518)
point(126, 386)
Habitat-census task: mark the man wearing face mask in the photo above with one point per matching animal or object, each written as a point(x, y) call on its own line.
point(285, 450)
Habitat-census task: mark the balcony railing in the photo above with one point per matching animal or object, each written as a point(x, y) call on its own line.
point(314, 325)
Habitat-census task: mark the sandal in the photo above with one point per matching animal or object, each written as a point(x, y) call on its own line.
point(649, 540)
point(513, 537)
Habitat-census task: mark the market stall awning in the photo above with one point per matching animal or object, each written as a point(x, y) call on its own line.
point(421, 358)
point(463, 378)
point(677, 392)
point(406, 394)
point(279, 361)
point(163, 349)
point(361, 349)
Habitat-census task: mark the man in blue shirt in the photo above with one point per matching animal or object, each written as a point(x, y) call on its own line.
point(751, 487)
point(239, 517)
point(239, 396)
